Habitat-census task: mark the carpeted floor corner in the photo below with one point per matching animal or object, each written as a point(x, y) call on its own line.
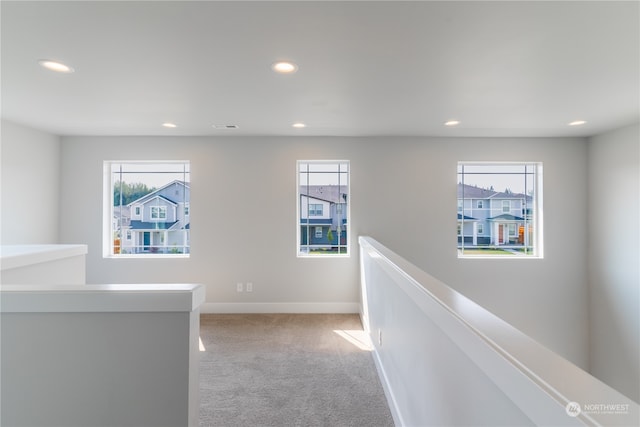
point(287, 370)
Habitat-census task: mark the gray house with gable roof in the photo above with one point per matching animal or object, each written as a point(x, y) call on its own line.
point(323, 216)
point(159, 221)
point(492, 218)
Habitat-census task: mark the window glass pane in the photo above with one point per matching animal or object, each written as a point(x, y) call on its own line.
point(507, 219)
point(323, 208)
point(149, 207)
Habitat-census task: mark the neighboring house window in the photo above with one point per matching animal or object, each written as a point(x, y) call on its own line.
point(151, 199)
point(315, 209)
point(497, 230)
point(158, 212)
point(323, 202)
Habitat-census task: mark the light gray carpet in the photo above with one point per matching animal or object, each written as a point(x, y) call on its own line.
point(287, 370)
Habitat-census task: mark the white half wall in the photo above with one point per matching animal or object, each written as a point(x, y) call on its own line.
point(403, 193)
point(30, 179)
point(614, 259)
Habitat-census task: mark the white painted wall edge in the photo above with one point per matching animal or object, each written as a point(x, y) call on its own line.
point(282, 307)
point(101, 298)
point(13, 256)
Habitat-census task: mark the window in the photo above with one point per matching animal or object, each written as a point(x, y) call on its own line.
point(146, 209)
point(323, 204)
point(158, 212)
point(510, 222)
point(315, 209)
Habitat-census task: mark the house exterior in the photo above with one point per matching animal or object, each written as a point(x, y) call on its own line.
point(323, 216)
point(158, 222)
point(491, 218)
point(121, 217)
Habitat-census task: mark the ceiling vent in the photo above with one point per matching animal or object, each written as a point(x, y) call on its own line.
point(225, 127)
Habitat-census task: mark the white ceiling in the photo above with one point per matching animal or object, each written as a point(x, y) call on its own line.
point(365, 68)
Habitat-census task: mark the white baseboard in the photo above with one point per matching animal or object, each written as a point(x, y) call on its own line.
point(280, 307)
point(388, 391)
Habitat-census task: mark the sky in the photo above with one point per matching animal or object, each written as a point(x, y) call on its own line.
point(153, 174)
point(500, 176)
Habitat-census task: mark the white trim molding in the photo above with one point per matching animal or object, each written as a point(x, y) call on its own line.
point(281, 307)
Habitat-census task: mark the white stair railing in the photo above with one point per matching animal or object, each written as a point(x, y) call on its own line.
point(444, 360)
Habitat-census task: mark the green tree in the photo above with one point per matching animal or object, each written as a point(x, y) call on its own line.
point(129, 192)
point(330, 236)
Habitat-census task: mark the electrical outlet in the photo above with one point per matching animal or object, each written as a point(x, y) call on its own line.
point(239, 287)
point(249, 287)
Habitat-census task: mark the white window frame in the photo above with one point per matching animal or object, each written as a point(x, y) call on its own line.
point(343, 171)
point(182, 170)
point(532, 176)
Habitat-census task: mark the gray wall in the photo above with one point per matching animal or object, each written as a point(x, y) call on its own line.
point(614, 259)
point(30, 185)
point(403, 193)
point(96, 369)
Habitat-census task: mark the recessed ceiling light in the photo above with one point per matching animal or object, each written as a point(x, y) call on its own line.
point(58, 67)
point(170, 125)
point(577, 123)
point(299, 125)
point(452, 123)
point(284, 67)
